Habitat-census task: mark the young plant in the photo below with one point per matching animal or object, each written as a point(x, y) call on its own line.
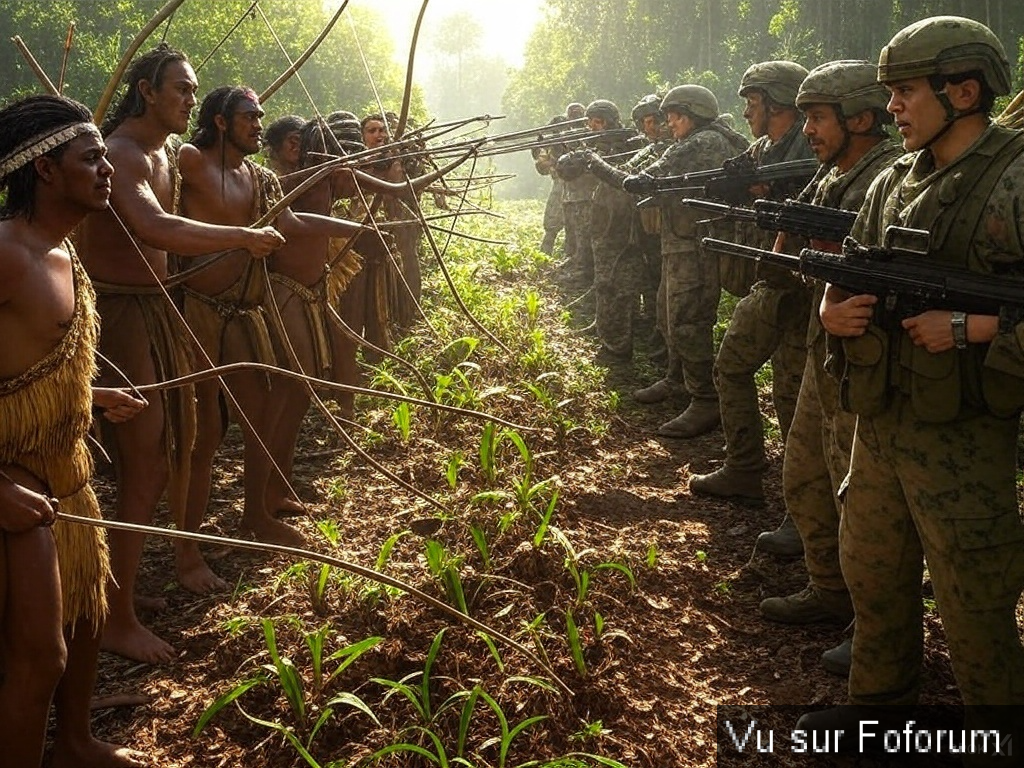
point(445, 568)
point(402, 418)
point(572, 634)
point(532, 304)
point(480, 539)
point(451, 470)
point(302, 703)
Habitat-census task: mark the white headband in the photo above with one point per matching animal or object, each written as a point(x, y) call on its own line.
point(40, 145)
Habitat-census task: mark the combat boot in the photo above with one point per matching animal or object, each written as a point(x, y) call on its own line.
point(809, 606)
point(660, 390)
point(837, 660)
point(610, 358)
point(699, 418)
point(728, 482)
point(783, 541)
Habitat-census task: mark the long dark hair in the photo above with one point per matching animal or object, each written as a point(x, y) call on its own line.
point(220, 101)
point(149, 66)
point(21, 122)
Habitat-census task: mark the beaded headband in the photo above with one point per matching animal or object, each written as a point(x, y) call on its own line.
point(38, 146)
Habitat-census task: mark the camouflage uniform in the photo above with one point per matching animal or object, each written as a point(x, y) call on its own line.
point(618, 269)
point(689, 277)
point(768, 323)
point(554, 217)
point(577, 200)
point(646, 238)
point(933, 465)
point(818, 446)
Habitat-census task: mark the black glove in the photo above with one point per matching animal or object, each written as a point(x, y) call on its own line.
point(640, 184)
point(572, 165)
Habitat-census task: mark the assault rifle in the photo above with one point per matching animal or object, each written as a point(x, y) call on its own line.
point(898, 273)
point(731, 182)
point(793, 217)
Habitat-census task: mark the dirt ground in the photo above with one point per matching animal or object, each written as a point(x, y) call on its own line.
point(687, 639)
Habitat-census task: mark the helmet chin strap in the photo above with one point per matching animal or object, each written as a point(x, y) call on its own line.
point(951, 116)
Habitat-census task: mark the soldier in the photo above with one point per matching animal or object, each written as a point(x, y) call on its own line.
point(577, 198)
point(771, 321)
point(616, 262)
point(845, 119)
point(937, 395)
point(554, 218)
point(645, 229)
point(689, 278)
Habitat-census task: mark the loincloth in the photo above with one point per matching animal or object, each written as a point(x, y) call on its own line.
point(340, 272)
point(143, 322)
point(232, 327)
point(300, 325)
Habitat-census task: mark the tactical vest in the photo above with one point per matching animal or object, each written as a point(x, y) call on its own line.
point(956, 383)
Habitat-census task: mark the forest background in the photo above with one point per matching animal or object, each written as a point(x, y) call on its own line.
point(581, 50)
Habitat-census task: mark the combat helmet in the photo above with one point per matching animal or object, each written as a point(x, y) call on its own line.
point(779, 80)
point(945, 45)
point(693, 100)
point(604, 110)
point(850, 85)
point(648, 105)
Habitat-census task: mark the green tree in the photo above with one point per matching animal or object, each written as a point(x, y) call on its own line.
point(334, 76)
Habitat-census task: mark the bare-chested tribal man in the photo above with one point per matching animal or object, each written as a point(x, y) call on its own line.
point(141, 331)
point(53, 574)
point(226, 306)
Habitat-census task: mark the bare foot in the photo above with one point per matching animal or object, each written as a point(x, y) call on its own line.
point(147, 603)
point(274, 532)
point(96, 754)
point(196, 576)
point(133, 641)
point(290, 508)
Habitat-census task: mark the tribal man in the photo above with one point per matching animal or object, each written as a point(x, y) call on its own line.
point(226, 307)
point(125, 252)
point(53, 574)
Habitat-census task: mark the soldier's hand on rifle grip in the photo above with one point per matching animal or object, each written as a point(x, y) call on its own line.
point(640, 184)
point(845, 315)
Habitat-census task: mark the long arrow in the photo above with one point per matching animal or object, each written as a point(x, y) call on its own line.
point(305, 554)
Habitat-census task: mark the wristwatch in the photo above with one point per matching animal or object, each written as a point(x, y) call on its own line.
point(958, 320)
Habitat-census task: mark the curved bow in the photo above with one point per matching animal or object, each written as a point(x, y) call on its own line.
point(115, 79)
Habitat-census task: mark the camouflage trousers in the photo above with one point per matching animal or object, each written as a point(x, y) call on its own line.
point(577, 229)
point(816, 462)
point(947, 493)
point(618, 278)
point(767, 323)
point(689, 285)
point(650, 254)
point(554, 219)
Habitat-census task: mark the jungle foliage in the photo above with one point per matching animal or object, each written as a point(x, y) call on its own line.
point(623, 49)
point(334, 76)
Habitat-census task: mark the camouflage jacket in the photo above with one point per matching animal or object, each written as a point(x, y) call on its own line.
point(972, 209)
point(704, 149)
